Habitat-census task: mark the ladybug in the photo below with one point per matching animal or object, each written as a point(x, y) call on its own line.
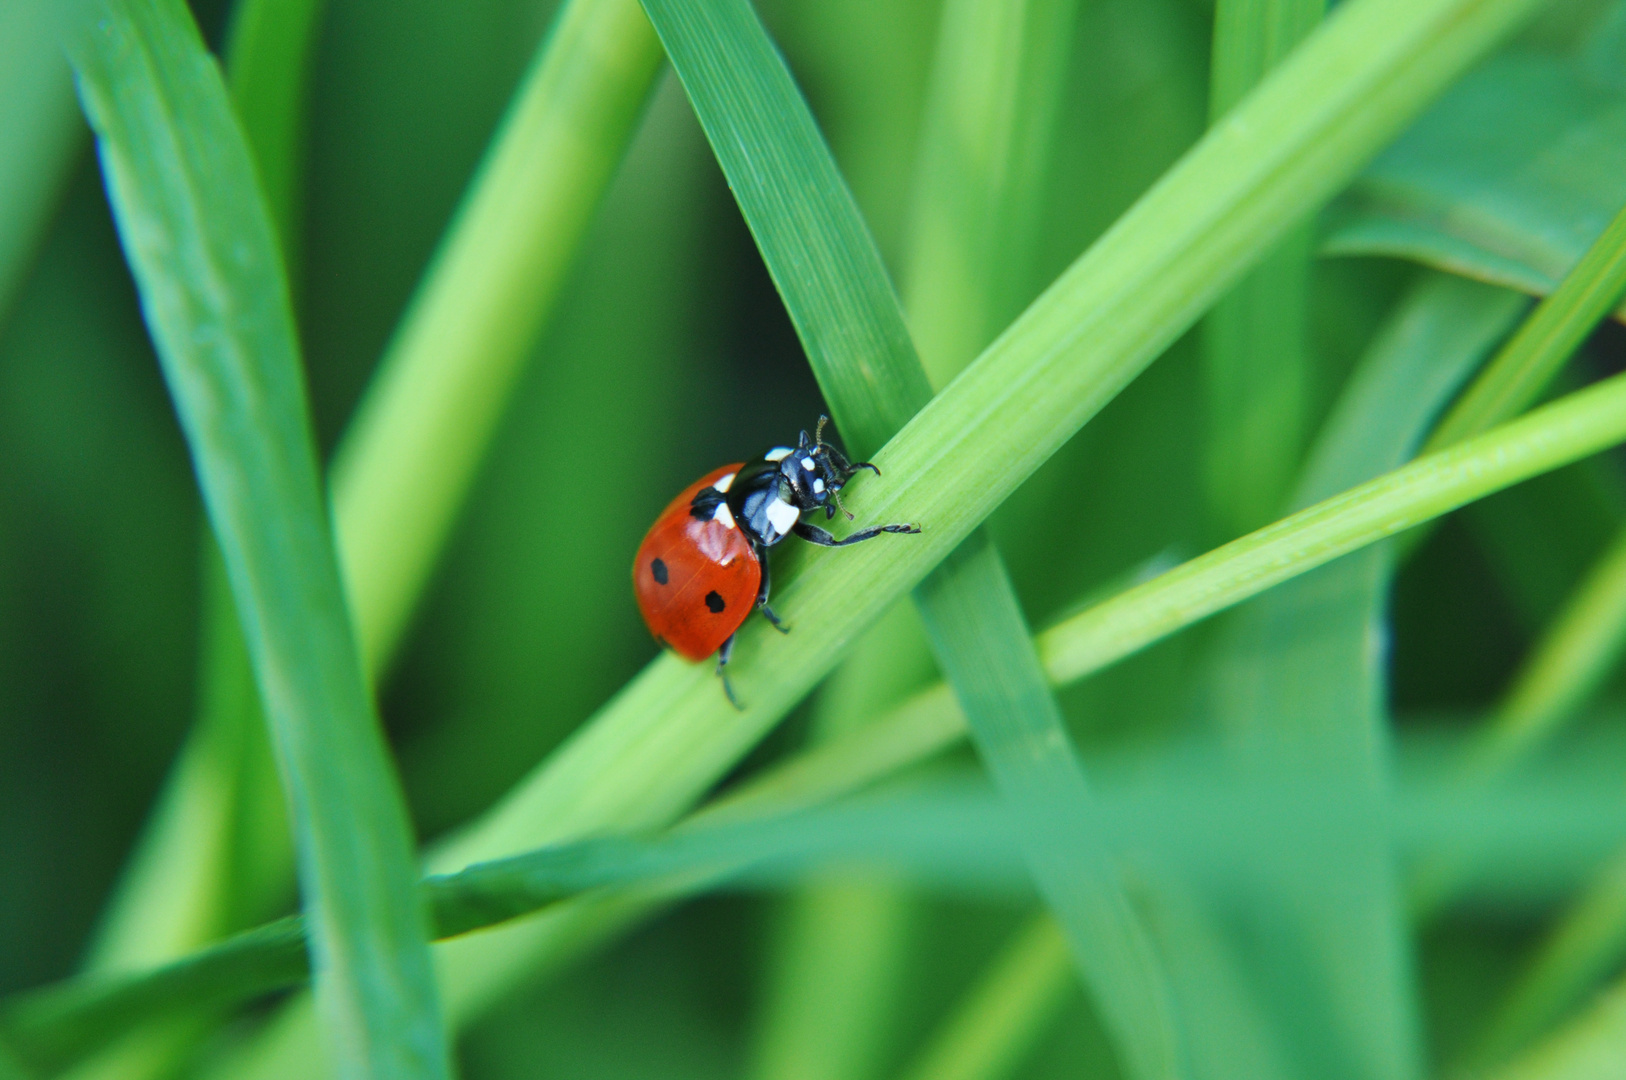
point(703, 566)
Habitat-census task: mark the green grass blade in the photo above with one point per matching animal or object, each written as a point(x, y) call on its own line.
point(1001, 1016)
point(812, 239)
point(1565, 669)
point(183, 189)
point(1507, 179)
point(829, 273)
point(181, 886)
point(1527, 363)
point(1255, 352)
point(989, 115)
point(668, 735)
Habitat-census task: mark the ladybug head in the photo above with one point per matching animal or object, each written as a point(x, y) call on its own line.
point(817, 472)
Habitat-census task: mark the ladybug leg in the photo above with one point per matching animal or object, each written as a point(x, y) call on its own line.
point(815, 535)
point(762, 597)
point(722, 662)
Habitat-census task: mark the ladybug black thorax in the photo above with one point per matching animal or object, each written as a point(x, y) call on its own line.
point(770, 493)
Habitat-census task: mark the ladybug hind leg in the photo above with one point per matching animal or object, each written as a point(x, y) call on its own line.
point(723, 654)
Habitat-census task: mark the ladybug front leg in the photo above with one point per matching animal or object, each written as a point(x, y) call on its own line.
point(815, 535)
point(762, 595)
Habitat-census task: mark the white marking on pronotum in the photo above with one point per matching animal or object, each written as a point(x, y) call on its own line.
point(723, 484)
point(778, 453)
point(818, 486)
point(723, 514)
point(807, 463)
point(782, 516)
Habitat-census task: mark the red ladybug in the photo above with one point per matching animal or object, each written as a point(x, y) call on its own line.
point(704, 563)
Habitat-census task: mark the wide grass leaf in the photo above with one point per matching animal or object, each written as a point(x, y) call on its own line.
point(1298, 687)
point(200, 243)
point(1508, 179)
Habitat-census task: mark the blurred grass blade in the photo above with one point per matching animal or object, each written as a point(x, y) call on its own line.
point(1587, 1048)
point(39, 130)
point(1000, 1018)
point(1577, 955)
point(198, 239)
point(1508, 179)
point(411, 451)
point(841, 946)
point(830, 275)
point(1255, 352)
point(1527, 364)
point(996, 84)
point(986, 651)
point(268, 64)
point(669, 734)
point(1297, 687)
point(952, 838)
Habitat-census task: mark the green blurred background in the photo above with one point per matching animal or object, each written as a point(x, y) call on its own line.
point(669, 353)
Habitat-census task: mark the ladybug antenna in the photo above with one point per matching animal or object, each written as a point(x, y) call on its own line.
point(818, 432)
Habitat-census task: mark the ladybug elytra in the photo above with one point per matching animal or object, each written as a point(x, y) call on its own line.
point(703, 565)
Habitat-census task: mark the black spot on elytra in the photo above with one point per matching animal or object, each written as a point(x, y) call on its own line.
point(658, 568)
point(714, 601)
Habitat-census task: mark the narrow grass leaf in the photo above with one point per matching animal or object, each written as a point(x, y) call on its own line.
point(1587, 1048)
point(199, 241)
point(1001, 1016)
point(830, 275)
point(1515, 379)
point(1508, 179)
point(669, 734)
point(1255, 352)
point(1569, 429)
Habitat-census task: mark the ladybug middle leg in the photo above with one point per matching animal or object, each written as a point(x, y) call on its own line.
point(762, 595)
